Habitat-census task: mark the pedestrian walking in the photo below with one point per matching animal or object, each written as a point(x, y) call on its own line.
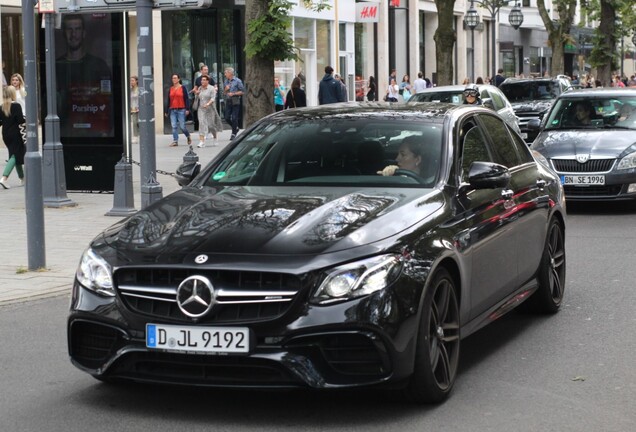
point(329, 89)
point(279, 95)
point(177, 108)
point(405, 88)
point(499, 78)
point(11, 118)
point(392, 92)
point(343, 86)
point(20, 91)
point(134, 108)
point(296, 97)
point(233, 88)
point(419, 84)
point(209, 119)
point(373, 89)
point(203, 70)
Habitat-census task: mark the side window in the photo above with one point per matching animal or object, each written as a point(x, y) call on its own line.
point(474, 148)
point(506, 152)
point(497, 100)
point(522, 149)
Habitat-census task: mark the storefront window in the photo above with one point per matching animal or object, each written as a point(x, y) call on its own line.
point(323, 47)
point(304, 33)
point(12, 61)
point(364, 66)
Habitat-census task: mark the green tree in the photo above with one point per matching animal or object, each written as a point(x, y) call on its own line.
point(268, 38)
point(616, 19)
point(445, 38)
point(558, 31)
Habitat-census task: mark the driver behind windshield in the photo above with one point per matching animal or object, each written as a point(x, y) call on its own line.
point(626, 115)
point(583, 113)
point(411, 156)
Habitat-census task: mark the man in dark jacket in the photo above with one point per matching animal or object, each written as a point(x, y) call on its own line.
point(329, 90)
point(499, 78)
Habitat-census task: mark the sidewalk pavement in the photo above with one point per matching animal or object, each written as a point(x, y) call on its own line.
point(69, 230)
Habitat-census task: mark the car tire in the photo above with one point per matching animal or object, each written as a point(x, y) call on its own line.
point(551, 274)
point(437, 352)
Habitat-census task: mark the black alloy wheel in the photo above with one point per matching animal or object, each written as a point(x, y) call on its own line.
point(437, 354)
point(551, 275)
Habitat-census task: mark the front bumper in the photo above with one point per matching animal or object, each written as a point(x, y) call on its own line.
point(367, 341)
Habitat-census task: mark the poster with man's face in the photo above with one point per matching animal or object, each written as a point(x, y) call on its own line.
point(84, 76)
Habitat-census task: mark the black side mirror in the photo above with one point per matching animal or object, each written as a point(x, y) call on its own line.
point(488, 175)
point(534, 125)
point(186, 172)
point(488, 103)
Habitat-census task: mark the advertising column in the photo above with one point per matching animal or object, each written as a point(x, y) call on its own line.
point(88, 99)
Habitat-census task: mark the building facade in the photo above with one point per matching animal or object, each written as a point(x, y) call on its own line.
point(358, 39)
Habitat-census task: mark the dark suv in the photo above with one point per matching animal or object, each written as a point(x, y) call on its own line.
point(531, 98)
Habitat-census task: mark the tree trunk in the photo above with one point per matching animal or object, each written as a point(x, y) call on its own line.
point(558, 31)
point(259, 74)
point(606, 43)
point(444, 41)
point(557, 65)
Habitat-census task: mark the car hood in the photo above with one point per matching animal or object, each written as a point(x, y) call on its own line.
point(269, 220)
point(532, 106)
point(597, 142)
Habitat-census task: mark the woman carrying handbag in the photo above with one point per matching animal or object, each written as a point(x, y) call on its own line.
point(296, 97)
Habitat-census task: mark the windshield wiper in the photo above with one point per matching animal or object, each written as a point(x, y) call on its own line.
point(610, 126)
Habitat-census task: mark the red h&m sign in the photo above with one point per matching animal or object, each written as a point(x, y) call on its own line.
point(394, 3)
point(367, 12)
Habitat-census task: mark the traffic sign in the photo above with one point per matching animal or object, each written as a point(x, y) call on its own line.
point(87, 6)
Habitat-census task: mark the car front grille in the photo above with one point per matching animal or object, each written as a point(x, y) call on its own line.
point(202, 370)
point(525, 116)
point(240, 296)
point(592, 191)
point(591, 166)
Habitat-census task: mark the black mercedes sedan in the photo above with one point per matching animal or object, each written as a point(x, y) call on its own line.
point(589, 138)
point(342, 246)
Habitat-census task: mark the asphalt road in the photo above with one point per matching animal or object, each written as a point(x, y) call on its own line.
point(570, 372)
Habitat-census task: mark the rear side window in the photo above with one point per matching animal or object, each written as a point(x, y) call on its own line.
point(497, 100)
point(474, 148)
point(506, 151)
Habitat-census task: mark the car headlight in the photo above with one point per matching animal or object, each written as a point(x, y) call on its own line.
point(627, 162)
point(95, 273)
point(541, 159)
point(358, 279)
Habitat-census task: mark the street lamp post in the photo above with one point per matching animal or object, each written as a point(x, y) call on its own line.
point(515, 18)
point(472, 20)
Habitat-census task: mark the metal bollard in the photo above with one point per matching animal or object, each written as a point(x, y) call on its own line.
point(188, 169)
point(124, 199)
point(190, 156)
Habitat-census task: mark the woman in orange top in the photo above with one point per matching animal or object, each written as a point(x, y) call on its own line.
point(177, 108)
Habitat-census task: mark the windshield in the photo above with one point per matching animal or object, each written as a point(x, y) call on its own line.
point(333, 151)
point(588, 113)
point(530, 91)
point(454, 97)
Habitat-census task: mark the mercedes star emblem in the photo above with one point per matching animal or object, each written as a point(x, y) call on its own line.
point(196, 296)
point(200, 259)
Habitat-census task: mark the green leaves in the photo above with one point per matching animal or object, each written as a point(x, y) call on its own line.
point(269, 34)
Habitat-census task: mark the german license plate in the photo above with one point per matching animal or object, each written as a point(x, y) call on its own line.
point(582, 180)
point(198, 339)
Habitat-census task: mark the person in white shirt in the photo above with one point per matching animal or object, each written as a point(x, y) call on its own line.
point(419, 84)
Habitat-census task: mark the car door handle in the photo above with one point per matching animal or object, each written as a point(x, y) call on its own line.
point(541, 183)
point(507, 194)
